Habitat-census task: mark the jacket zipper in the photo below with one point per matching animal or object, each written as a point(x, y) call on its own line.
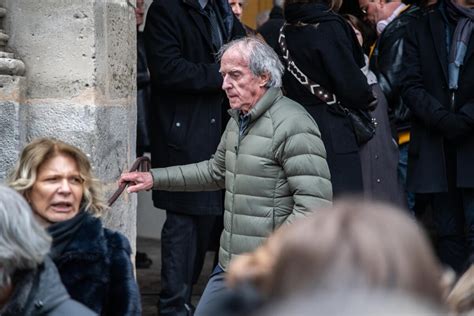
point(233, 189)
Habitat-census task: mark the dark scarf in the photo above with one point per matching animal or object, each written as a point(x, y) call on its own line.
point(244, 120)
point(64, 232)
point(464, 19)
point(313, 13)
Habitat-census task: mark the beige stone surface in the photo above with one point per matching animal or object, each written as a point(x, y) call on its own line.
point(80, 69)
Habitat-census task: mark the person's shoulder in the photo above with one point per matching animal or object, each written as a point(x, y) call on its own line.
point(287, 113)
point(422, 25)
point(336, 23)
point(431, 13)
point(116, 240)
point(404, 21)
point(159, 7)
point(89, 237)
point(71, 307)
point(286, 106)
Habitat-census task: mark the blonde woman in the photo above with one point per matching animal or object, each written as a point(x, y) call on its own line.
point(93, 262)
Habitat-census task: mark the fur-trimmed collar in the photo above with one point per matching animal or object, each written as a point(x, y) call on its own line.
point(89, 238)
point(92, 240)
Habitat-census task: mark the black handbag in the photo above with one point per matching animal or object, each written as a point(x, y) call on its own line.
point(362, 122)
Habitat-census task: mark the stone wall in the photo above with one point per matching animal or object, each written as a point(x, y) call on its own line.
point(80, 58)
point(12, 122)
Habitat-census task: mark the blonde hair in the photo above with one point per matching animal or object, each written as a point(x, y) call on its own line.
point(40, 150)
point(354, 244)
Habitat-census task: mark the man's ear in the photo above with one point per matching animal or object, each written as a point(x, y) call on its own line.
point(264, 78)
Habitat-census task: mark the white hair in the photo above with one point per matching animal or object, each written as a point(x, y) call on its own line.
point(261, 58)
point(23, 242)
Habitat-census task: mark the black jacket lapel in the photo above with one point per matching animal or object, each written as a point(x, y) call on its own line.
point(226, 17)
point(438, 34)
point(198, 19)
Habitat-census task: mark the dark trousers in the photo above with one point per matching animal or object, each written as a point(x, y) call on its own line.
point(402, 176)
point(216, 289)
point(453, 217)
point(184, 242)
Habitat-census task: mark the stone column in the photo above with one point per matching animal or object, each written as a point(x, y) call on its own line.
point(12, 93)
point(80, 58)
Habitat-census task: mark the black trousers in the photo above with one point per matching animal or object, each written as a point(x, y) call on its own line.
point(453, 217)
point(184, 242)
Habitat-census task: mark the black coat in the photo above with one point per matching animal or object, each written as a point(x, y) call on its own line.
point(379, 159)
point(143, 98)
point(188, 105)
point(426, 92)
point(270, 30)
point(96, 269)
point(329, 54)
point(388, 56)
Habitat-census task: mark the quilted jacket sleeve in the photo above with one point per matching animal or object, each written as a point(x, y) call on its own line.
point(208, 175)
point(301, 152)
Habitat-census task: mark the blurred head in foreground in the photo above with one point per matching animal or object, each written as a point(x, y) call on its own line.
point(23, 242)
point(351, 246)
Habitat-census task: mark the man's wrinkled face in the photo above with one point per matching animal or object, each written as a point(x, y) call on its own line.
point(242, 87)
point(237, 7)
point(371, 9)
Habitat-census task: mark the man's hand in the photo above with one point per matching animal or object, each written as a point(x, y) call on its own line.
point(138, 181)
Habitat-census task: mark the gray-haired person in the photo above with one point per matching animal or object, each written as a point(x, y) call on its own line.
point(270, 159)
point(29, 282)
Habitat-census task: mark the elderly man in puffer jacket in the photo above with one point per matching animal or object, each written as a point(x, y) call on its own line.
point(271, 160)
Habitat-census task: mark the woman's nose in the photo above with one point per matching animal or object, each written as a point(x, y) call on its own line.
point(64, 186)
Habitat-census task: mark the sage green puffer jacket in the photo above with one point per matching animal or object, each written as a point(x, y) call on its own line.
point(275, 172)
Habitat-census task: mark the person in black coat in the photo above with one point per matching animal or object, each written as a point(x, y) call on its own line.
point(270, 29)
point(188, 115)
point(143, 88)
point(388, 62)
point(324, 47)
point(94, 263)
point(379, 156)
point(438, 88)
